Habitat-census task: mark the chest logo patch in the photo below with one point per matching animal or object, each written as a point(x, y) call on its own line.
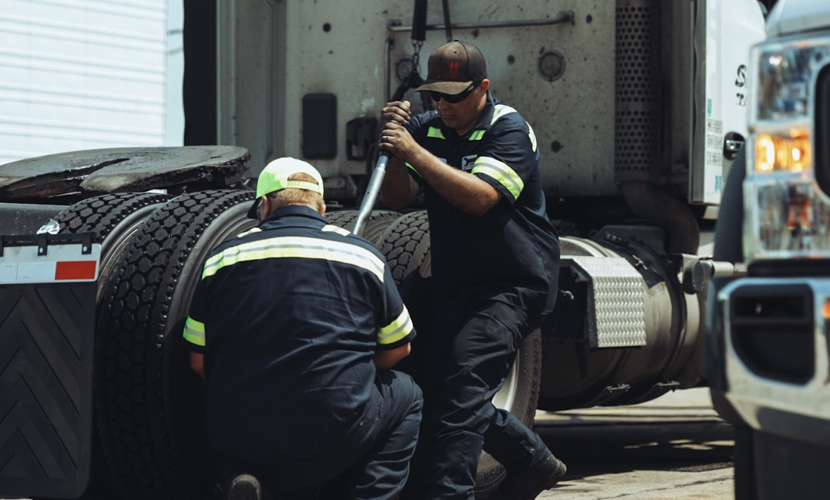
point(467, 162)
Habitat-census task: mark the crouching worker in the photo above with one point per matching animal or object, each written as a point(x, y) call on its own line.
point(294, 326)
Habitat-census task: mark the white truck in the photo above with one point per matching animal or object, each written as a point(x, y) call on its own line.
point(768, 331)
point(638, 108)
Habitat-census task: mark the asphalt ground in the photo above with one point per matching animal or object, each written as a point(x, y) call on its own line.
point(672, 448)
point(675, 447)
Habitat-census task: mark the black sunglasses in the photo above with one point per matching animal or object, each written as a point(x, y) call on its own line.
point(452, 98)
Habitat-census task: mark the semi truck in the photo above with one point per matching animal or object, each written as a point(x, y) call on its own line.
point(638, 107)
point(768, 330)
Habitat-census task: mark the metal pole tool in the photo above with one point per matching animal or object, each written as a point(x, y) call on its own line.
point(419, 23)
point(371, 193)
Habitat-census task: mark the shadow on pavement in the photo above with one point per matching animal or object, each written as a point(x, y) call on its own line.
point(615, 448)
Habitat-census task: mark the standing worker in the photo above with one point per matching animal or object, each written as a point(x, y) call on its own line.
point(495, 266)
point(294, 326)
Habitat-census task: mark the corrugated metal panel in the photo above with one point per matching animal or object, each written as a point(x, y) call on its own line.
point(81, 74)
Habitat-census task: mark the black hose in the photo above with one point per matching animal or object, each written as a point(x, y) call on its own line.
point(413, 81)
point(387, 48)
point(419, 21)
point(447, 22)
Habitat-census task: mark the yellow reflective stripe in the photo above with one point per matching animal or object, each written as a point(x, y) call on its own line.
point(296, 247)
point(505, 175)
point(396, 330)
point(250, 231)
point(435, 132)
point(334, 229)
point(500, 111)
point(409, 165)
point(477, 135)
point(194, 332)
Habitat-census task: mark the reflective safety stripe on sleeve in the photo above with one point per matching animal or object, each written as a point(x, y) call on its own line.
point(334, 229)
point(435, 133)
point(194, 332)
point(396, 330)
point(532, 136)
point(500, 111)
point(477, 135)
point(299, 248)
point(250, 231)
point(502, 173)
point(410, 167)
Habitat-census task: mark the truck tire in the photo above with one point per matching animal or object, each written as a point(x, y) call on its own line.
point(149, 404)
point(102, 214)
point(406, 245)
point(377, 222)
point(114, 217)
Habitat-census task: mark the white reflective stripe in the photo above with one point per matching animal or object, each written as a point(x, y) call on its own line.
point(334, 229)
point(397, 329)
point(296, 247)
point(531, 135)
point(250, 231)
point(502, 173)
point(8, 273)
point(501, 110)
point(25, 272)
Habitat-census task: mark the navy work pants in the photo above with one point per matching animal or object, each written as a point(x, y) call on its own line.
point(372, 464)
point(468, 361)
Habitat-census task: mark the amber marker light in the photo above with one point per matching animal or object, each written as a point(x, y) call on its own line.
point(782, 153)
point(825, 311)
point(765, 154)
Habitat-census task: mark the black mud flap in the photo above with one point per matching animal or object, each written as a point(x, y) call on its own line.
point(47, 321)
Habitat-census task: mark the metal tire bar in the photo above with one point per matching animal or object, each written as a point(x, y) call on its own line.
point(371, 193)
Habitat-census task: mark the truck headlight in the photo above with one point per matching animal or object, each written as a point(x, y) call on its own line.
point(786, 202)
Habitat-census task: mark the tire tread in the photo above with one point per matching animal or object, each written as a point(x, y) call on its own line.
point(134, 321)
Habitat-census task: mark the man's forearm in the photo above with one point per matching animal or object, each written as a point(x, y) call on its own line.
point(463, 190)
point(385, 360)
point(397, 189)
point(197, 363)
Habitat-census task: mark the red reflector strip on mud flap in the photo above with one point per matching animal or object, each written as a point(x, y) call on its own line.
point(63, 263)
point(75, 270)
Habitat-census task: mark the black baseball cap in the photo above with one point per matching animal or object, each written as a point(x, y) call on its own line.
point(453, 67)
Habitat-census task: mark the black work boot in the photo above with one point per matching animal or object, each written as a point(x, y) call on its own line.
point(245, 487)
point(527, 484)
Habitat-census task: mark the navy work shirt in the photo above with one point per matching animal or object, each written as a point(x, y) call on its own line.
point(512, 252)
point(288, 316)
